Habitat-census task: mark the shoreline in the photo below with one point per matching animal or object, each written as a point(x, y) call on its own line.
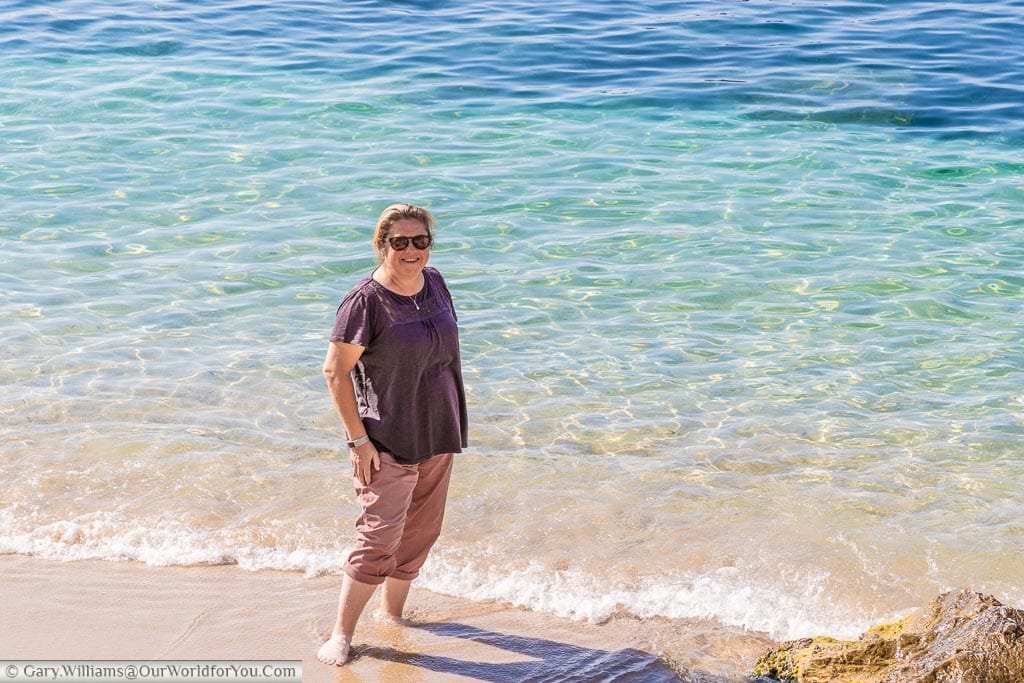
point(95, 609)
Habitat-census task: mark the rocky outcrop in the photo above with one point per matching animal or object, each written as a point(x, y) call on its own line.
point(962, 637)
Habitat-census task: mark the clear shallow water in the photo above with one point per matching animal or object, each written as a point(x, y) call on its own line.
point(740, 290)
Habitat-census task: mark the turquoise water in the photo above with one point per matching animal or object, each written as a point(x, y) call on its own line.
point(740, 287)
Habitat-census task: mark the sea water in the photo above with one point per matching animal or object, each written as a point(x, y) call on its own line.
point(739, 286)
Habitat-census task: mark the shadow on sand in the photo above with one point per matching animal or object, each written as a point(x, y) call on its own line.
point(550, 660)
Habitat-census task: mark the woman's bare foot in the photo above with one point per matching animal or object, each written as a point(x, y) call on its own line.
point(334, 652)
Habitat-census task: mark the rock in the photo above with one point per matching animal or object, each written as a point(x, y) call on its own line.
point(962, 637)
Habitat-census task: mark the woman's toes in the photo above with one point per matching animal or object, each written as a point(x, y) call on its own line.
point(334, 652)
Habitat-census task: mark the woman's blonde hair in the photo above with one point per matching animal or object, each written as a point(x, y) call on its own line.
point(391, 215)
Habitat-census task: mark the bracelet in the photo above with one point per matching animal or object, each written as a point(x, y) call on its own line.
point(356, 443)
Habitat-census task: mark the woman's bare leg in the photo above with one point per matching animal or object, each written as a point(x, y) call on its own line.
point(392, 598)
point(353, 598)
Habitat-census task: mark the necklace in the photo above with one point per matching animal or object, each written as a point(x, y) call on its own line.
point(394, 289)
point(412, 297)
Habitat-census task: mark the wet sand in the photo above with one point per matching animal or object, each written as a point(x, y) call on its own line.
point(126, 610)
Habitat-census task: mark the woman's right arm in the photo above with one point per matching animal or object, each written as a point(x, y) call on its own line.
point(341, 358)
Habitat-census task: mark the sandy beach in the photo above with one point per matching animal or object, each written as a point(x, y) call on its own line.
point(127, 610)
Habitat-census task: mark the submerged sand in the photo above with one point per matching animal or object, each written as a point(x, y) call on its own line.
point(126, 610)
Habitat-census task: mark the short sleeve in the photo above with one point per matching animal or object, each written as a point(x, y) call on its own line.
point(352, 323)
point(447, 294)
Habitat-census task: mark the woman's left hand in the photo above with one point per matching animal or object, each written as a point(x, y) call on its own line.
point(364, 460)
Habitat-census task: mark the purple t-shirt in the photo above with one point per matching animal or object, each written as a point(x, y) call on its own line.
point(409, 379)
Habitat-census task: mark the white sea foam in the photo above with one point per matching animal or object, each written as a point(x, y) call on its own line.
point(157, 542)
point(785, 608)
point(744, 597)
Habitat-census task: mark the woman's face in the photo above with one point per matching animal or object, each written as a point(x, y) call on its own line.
point(409, 261)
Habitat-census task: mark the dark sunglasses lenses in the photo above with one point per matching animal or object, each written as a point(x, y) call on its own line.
point(419, 241)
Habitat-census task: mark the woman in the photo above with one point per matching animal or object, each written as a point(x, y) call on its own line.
point(394, 372)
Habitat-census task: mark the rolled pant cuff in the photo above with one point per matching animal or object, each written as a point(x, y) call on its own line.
point(404, 576)
point(357, 575)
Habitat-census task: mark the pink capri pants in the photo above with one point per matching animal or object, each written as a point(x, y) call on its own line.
point(403, 508)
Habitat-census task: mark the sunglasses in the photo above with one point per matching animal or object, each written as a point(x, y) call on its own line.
point(419, 241)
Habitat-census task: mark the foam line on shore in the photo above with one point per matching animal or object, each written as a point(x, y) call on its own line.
point(753, 597)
